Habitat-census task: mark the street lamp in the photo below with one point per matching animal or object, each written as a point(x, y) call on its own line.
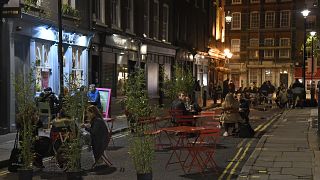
point(228, 55)
point(228, 18)
point(312, 33)
point(305, 13)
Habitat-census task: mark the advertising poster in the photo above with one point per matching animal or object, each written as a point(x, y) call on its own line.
point(105, 95)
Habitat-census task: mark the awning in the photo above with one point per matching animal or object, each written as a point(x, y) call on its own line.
point(298, 73)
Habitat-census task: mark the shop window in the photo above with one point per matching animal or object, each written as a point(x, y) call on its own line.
point(122, 72)
point(268, 75)
point(43, 66)
point(77, 67)
point(236, 1)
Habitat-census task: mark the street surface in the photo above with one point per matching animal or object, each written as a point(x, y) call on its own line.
point(232, 153)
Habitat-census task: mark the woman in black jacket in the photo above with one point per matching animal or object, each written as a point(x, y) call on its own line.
point(99, 132)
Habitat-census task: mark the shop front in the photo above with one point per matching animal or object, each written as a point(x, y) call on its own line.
point(34, 46)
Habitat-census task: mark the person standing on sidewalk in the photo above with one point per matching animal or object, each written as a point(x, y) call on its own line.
point(225, 87)
point(94, 96)
point(298, 94)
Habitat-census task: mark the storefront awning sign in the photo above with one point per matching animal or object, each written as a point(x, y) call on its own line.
point(50, 34)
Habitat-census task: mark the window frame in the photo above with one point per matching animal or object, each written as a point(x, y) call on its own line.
point(236, 2)
point(116, 13)
point(255, 1)
point(287, 50)
point(235, 47)
point(267, 51)
point(233, 21)
point(146, 18)
point(130, 14)
point(165, 25)
point(251, 20)
point(156, 19)
point(281, 16)
point(254, 51)
point(266, 19)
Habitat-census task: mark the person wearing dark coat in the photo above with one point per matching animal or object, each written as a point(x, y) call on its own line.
point(225, 88)
point(98, 131)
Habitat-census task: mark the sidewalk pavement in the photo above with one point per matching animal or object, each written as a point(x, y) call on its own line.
point(120, 125)
point(288, 150)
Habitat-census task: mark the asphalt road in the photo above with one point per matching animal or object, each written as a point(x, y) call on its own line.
point(231, 154)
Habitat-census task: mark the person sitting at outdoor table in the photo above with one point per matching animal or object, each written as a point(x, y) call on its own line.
point(48, 96)
point(94, 96)
point(192, 107)
point(231, 113)
point(98, 131)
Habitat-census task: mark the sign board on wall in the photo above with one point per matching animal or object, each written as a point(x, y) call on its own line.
point(105, 96)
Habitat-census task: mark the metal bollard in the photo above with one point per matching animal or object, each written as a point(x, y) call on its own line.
point(318, 86)
point(204, 98)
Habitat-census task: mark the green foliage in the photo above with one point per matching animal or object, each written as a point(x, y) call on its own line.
point(141, 150)
point(26, 114)
point(137, 105)
point(182, 81)
point(136, 102)
point(70, 11)
point(315, 42)
point(37, 6)
point(74, 104)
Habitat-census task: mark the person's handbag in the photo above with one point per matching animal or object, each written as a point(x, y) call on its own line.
point(15, 157)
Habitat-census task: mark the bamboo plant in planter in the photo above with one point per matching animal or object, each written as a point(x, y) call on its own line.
point(26, 119)
point(141, 148)
point(74, 104)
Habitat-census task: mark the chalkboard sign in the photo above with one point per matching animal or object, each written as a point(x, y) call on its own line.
point(105, 95)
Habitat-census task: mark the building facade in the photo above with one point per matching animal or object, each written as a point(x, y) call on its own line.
point(265, 39)
point(31, 43)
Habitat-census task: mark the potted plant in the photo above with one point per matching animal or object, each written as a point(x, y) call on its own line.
point(26, 118)
point(75, 103)
point(181, 81)
point(141, 148)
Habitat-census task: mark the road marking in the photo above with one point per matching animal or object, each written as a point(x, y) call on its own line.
point(259, 130)
point(233, 170)
point(230, 164)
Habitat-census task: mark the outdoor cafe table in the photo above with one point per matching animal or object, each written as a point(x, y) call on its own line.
point(180, 140)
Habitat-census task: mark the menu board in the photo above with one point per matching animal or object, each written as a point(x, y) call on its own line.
point(105, 96)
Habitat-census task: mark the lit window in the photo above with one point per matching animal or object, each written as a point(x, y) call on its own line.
point(43, 66)
point(236, 21)
point(284, 51)
point(269, 22)
point(253, 75)
point(268, 43)
point(156, 19)
point(255, 1)
point(284, 18)
point(235, 45)
point(270, 1)
point(236, 1)
point(77, 67)
point(254, 20)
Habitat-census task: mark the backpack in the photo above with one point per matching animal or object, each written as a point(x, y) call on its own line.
point(15, 160)
point(246, 131)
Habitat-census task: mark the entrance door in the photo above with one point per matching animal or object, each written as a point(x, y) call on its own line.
point(95, 70)
point(284, 79)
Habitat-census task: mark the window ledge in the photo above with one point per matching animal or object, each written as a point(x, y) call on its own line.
point(101, 24)
point(116, 27)
point(70, 17)
point(128, 31)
